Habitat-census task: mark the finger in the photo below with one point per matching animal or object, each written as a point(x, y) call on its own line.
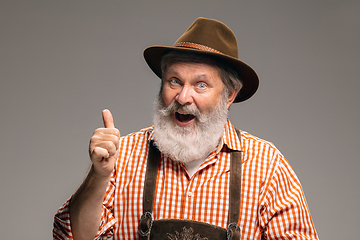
point(99, 153)
point(102, 132)
point(109, 146)
point(113, 139)
point(108, 119)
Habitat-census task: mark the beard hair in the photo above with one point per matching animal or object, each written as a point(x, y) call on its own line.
point(189, 143)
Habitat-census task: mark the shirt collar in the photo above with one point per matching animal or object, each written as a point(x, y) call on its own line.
point(151, 134)
point(230, 138)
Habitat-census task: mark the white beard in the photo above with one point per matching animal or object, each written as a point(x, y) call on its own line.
point(187, 144)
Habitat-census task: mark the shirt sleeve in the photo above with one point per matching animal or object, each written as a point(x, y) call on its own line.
point(285, 213)
point(62, 227)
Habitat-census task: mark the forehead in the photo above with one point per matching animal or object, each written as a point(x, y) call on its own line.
point(193, 69)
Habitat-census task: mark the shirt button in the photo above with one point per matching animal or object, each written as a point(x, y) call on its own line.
point(190, 194)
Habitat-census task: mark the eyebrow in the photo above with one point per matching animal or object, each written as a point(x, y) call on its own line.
point(202, 75)
point(199, 76)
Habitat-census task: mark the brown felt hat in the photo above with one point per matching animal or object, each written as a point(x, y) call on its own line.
point(213, 38)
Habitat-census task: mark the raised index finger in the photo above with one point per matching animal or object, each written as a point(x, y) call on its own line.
point(108, 119)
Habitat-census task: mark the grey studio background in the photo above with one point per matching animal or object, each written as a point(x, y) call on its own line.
point(62, 62)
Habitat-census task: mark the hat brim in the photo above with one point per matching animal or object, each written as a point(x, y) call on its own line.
point(249, 78)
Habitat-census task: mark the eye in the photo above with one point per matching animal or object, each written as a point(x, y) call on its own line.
point(202, 85)
point(174, 81)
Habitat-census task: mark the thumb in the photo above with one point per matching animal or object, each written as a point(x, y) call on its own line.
point(107, 119)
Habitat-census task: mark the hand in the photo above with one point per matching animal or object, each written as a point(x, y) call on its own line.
point(104, 146)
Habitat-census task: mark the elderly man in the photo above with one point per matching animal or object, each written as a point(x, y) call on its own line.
point(192, 175)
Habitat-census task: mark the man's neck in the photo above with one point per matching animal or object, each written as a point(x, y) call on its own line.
point(193, 166)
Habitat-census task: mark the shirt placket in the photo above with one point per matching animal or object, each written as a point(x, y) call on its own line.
point(189, 198)
point(191, 202)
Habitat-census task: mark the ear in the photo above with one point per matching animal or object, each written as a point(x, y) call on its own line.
point(231, 98)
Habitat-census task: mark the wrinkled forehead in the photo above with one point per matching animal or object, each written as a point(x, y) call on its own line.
point(186, 57)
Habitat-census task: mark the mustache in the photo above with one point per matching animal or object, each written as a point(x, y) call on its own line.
point(185, 109)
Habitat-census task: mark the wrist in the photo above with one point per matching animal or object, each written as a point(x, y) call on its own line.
point(98, 176)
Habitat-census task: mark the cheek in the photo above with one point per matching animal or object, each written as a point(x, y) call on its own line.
point(204, 104)
point(208, 103)
point(167, 96)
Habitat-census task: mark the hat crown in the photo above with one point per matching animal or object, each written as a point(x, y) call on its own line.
point(211, 33)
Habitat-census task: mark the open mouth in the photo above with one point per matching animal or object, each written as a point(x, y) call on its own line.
point(184, 118)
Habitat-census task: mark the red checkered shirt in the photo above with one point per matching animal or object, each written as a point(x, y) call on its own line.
point(273, 205)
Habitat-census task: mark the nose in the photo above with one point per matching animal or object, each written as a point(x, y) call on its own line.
point(184, 97)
